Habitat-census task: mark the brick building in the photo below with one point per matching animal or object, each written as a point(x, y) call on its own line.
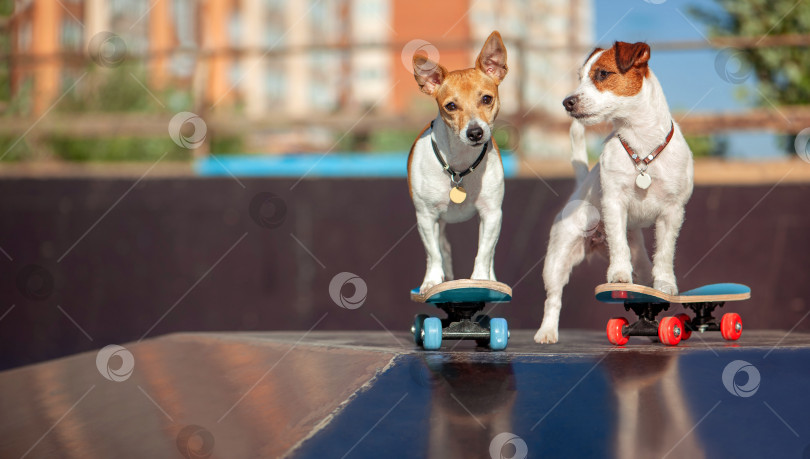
point(304, 58)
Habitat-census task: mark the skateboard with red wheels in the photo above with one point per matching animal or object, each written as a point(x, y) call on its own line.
point(462, 299)
point(647, 303)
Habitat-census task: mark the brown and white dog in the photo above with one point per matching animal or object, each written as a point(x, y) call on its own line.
point(456, 153)
point(623, 193)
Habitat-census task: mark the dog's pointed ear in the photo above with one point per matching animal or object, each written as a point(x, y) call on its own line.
point(595, 50)
point(492, 58)
point(428, 74)
point(629, 55)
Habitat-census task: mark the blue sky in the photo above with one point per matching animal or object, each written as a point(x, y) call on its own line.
point(689, 78)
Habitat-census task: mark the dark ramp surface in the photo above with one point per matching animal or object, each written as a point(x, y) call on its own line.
point(344, 394)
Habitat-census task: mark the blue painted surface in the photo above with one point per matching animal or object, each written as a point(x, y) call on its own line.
point(711, 289)
point(465, 295)
point(313, 165)
point(532, 395)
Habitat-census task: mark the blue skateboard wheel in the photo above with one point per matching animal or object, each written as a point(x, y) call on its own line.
point(418, 320)
point(432, 338)
point(498, 334)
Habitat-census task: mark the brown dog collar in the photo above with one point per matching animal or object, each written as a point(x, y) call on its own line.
point(654, 154)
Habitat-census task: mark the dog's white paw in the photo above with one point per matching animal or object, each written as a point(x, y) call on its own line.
point(619, 275)
point(667, 286)
point(546, 336)
point(481, 274)
point(428, 284)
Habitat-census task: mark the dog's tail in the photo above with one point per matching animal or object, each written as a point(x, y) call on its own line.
point(579, 152)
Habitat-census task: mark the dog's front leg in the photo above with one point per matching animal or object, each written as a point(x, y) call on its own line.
point(667, 227)
point(614, 214)
point(428, 225)
point(488, 232)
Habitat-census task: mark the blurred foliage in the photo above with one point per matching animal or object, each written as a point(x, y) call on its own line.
point(103, 90)
point(704, 146)
point(116, 149)
point(397, 140)
point(113, 90)
point(378, 141)
point(781, 72)
point(6, 8)
point(227, 145)
point(11, 148)
point(110, 90)
point(387, 140)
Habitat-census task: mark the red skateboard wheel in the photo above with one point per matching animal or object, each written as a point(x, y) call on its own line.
point(669, 330)
point(615, 331)
point(685, 331)
point(731, 326)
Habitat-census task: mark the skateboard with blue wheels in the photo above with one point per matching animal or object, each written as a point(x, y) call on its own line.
point(647, 303)
point(462, 299)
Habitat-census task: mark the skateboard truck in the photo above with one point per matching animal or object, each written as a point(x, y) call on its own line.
point(646, 325)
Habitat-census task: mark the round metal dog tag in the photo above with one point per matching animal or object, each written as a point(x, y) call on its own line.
point(643, 181)
point(458, 194)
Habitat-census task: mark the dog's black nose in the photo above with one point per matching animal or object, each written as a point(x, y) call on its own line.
point(475, 133)
point(570, 102)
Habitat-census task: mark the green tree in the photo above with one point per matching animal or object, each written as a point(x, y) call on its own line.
point(781, 71)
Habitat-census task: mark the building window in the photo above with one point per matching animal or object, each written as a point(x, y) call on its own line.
point(274, 82)
point(129, 19)
point(324, 69)
point(273, 23)
point(235, 29)
point(24, 37)
point(236, 74)
point(71, 37)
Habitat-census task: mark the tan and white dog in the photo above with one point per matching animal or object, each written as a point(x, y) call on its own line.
point(454, 167)
point(623, 193)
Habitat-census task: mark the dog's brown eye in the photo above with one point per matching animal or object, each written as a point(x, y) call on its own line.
point(486, 100)
point(450, 106)
point(602, 74)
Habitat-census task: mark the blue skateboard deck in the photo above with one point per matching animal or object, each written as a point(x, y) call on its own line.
point(632, 293)
point(465, 291)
